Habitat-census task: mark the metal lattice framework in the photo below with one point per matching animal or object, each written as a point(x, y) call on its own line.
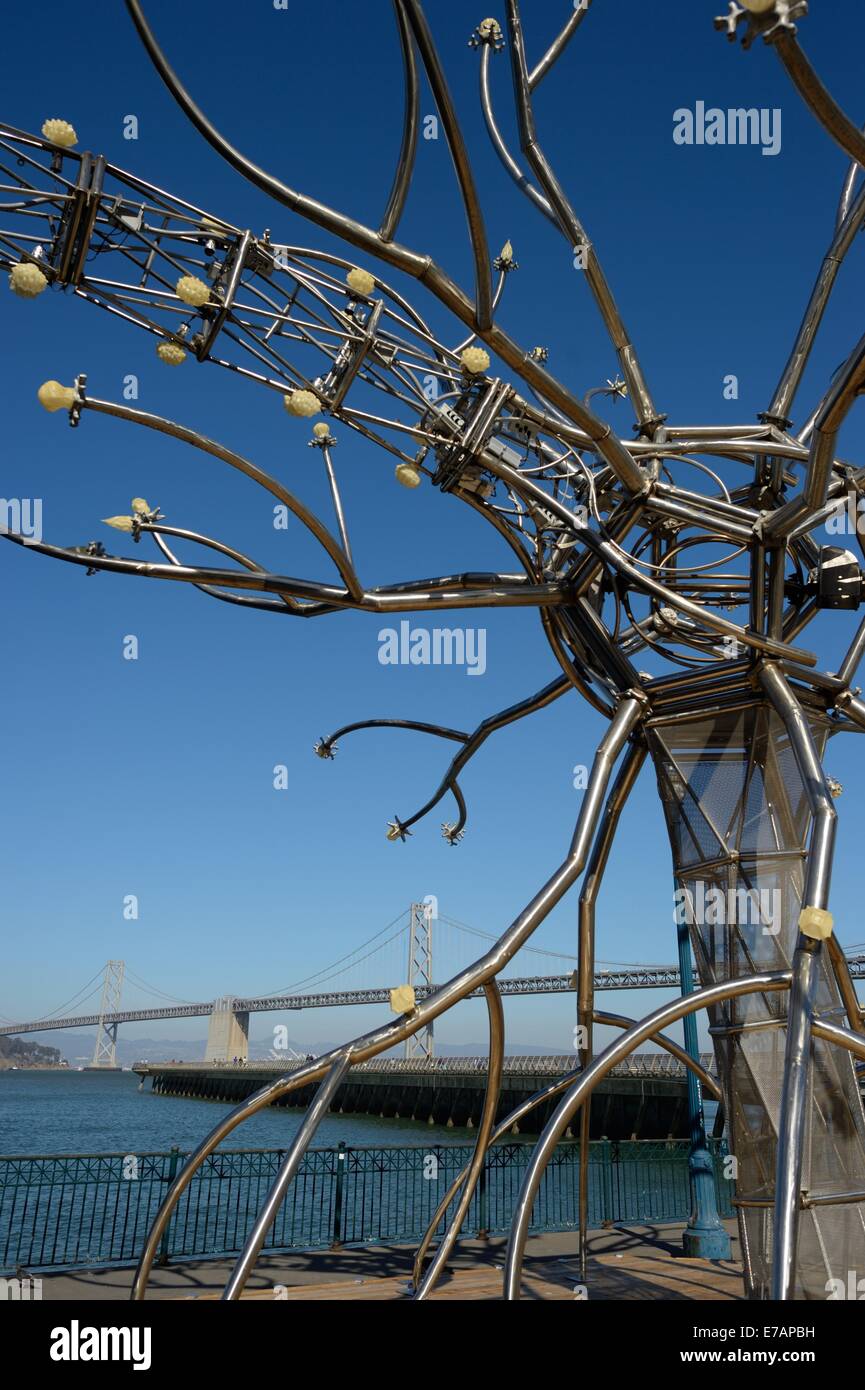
point(105, 1049)
point(621, 546)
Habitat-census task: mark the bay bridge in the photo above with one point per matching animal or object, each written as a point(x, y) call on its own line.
point(411, 934)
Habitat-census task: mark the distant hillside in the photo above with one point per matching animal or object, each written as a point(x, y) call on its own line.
point(77, 1047)
point(21, 1052)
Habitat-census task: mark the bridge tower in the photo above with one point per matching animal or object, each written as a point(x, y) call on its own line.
point(227, 1032)
point(420, 969)
point(105, 1051)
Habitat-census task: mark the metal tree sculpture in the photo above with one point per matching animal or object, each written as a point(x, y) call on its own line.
point(616, 554)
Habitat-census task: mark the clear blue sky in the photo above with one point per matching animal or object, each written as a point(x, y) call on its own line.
point(155, 777)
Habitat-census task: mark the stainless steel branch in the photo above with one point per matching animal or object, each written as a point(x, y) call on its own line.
point(589, 1079)
point(426, 1283)
point(459, 154)
point(319, 1107)
point(793, 1116)
point(411, 115)
point(560, 43)
point(821, 102)
point(647, 415)
point(836, 406)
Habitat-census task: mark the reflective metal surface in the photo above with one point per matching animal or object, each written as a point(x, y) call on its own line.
point(693, 550)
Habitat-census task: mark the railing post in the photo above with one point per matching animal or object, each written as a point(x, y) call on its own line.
point(704, 1237)
point(483, 1201)
point(341, 1161)
point(606, 1148)
point(174, 1155)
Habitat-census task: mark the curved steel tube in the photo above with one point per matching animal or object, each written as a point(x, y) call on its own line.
point(559, 44)
point(843, 1037)
point(415, 725)
point(243, 465)
point(793, 1113)
point(337, 504)
point(618, 560)
point(647, 415)
point(595, 869)
point(288, 1168)
point(833, 411)
point(472, 338)
point(588, 1080)
point(555, 1088)
point(283, 604)
point(846, 197)
point(705, 1078)
point(821, 102)
point(466, 982)
point(427, 1283)
point(408, 149)
point(505, 157)
point(491, 725)
point(459, 154)
point(791, 377)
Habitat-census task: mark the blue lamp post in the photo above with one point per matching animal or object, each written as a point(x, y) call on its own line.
point(705, 1237)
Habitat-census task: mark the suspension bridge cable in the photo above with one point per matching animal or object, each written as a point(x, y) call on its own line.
point(489, 936)
point(152, 989)
point(289, 988)
point(75, 997)
point(322, 978)
point(558, 955)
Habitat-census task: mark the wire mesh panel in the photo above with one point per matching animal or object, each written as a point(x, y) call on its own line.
point(738, 818)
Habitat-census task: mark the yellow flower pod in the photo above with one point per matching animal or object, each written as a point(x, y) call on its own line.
point(360, 281)
point(171, 353)
point(475, 360)
point(27, 280)
point(60, 133)
point(407, 474)
point(302, 403)
point(192, 291)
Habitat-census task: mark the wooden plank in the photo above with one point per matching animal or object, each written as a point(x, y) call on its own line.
point(635, 1275)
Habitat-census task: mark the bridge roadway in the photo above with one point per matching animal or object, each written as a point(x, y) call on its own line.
point(632, 977)
point(637, 977)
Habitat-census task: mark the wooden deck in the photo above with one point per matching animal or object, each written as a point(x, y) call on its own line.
point(651, 1274)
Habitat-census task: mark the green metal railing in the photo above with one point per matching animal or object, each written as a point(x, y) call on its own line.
point(73, 1210)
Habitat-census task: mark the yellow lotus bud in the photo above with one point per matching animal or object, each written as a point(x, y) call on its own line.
point(27, 280)
point(475, 360)
point(758, 6)
point(321, 430)
point(172, 353)
point(142, 507)
point(360, 281)
point(489, 27)
point(120, 523)
point(60, 133)
point(302, 403)
point(53, 396)
point(507, 253)
point(407, 474)
point(192, 291)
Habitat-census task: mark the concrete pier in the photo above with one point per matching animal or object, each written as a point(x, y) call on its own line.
point(646, 1098)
